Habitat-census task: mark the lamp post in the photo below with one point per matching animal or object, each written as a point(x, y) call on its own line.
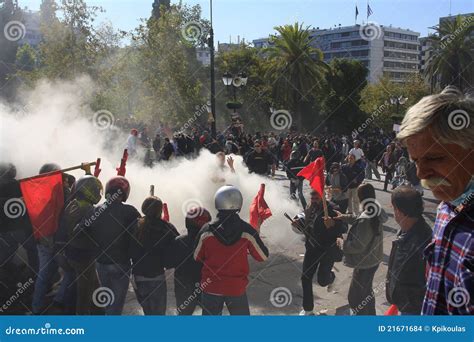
point(236, 82)
point(213, 81)
point(398, 100)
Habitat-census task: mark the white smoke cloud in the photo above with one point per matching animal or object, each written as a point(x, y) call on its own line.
point(56, 126)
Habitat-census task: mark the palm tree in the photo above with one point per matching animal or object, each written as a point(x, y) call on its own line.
point(296, 69)
point(452, 52)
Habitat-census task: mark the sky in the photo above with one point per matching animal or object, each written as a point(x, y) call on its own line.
point(252, 19)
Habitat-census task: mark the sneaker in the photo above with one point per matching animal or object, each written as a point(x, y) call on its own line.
point(307, 313)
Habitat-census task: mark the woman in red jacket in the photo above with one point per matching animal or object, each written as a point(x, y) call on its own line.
point(223, 247)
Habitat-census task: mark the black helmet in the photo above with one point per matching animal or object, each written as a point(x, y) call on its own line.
point(49, 167)
point(152, 206)
point(88, 188)
point(7, 171)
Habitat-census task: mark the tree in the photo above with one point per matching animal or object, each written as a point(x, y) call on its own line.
point(296, 70)
point(452, 52)
point(341, 103)
point(255, 96)
point(48, 10)
point(158, 6)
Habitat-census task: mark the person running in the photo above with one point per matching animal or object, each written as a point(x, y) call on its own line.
point(223, 247)
point(321, 249)
point(259, 161)
point(149, 251)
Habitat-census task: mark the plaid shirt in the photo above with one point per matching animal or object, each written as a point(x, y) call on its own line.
point(450, 257)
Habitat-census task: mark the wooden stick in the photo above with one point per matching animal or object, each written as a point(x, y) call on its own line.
point(152, 190)
point(58, 171)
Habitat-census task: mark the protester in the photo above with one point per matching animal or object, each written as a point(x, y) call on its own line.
point(149, 251)
point(321, 249)
point(112, 230)
point(337, 181)
point(132, 142)
point(363, 249)
point(406, 267)
point(388, 162)
point(223, 247)
point(355, 176)
point(293, 166)
point(443, 152)
point(259, 161)
point(356, 151)
point(372, 157)
point(187, 275)
point(77, 248)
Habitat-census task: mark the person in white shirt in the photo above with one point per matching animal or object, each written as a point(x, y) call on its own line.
point(131, 145)
point(356, 151)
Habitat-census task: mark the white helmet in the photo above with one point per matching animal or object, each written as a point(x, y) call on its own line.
point(300, 217)
point(228, 197)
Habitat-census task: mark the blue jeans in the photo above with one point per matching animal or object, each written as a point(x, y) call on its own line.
point(151, 294)
point(117, 278)
point(212, 305)
point(47, 268)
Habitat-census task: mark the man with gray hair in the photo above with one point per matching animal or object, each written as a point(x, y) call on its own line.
point(439, 134)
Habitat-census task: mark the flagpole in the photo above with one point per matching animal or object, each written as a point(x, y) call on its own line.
point(83, 165)
point(367, 20)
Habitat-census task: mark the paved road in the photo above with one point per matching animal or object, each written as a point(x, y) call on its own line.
point(281, 274)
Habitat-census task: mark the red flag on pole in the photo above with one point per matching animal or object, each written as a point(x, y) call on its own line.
point(259, 210)
point(314, 173)
point(166, 215)
point(392, 311)
point(123, 162)
point(44, 200)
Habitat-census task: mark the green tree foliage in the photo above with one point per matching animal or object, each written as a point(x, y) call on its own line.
point(452, 53)
point(296, 70)
point(341, 103)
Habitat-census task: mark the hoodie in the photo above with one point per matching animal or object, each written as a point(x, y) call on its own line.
point(223, 247)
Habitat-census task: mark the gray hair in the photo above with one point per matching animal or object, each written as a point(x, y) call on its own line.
point(448, 114)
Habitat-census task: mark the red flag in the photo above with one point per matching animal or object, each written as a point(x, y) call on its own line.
point(314, 172)
point(44, 200)
point(97, 168)
point(392, 311)
point(123, 162)
point(166, 215)
point(259, 210)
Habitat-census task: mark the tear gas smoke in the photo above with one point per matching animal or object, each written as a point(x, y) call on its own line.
point(56, 125)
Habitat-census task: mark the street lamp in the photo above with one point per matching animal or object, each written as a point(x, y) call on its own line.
point(236, 82)
point(398, 100)
point(213, 81)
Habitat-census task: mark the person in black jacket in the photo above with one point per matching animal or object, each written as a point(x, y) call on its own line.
point(187, 274)
point(338, 185)
point(149, 253)
point(406, 268)
point(321, 249)
point(292, 167)
point(112, 227)
point(355, 176)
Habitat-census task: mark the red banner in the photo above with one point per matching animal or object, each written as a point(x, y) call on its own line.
point(259, 210)
point(44, 200)
point(314, 173)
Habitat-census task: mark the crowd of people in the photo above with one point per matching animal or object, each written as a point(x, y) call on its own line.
point(108, 245)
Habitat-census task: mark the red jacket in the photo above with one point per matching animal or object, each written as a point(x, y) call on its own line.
point(223, 248)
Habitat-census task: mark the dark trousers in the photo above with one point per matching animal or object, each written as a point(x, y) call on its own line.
point(315, 260)
point(86, 282)
point(298, 186)
point(212, 305)
point(361, 295)
point(151, 294)
point(388, 178)
point(187, 297)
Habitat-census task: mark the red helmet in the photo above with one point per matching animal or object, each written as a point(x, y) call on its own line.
point(197, 217)
point(118, 186)
point(134, 131)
